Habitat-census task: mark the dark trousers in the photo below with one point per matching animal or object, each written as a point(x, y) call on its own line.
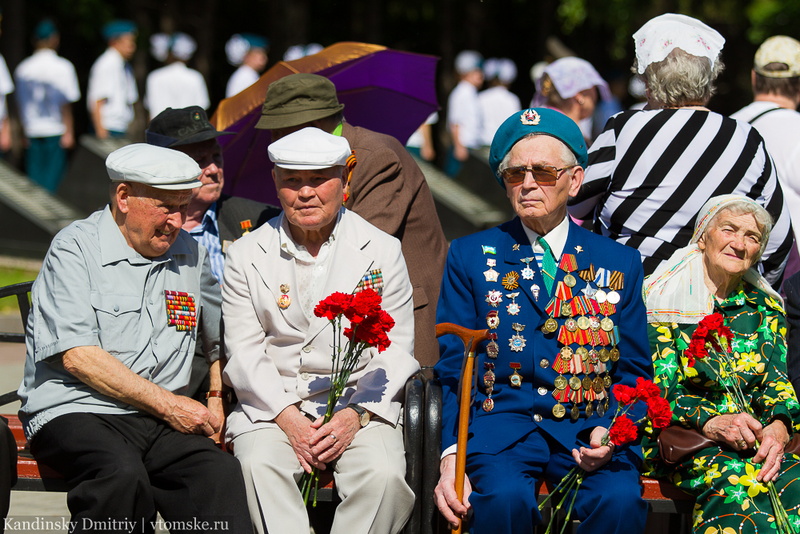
point(46, 161)
point(122, 469)
point(8, 469)
point(504, 489)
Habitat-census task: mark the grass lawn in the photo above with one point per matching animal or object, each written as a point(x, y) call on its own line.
point(13, 275)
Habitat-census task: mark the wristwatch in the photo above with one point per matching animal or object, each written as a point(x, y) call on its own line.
point(363, 414)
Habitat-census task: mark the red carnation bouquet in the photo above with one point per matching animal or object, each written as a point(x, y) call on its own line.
point(369, 326)
point(623, 430)
point(711, 334)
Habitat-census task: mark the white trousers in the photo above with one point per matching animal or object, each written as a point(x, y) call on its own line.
point(369, 476)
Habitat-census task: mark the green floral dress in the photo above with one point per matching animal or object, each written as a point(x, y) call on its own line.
point(729, 498)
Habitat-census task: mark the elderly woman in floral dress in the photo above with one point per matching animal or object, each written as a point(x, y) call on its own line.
point(715, 274)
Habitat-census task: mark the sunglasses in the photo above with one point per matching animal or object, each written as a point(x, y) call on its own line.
point(543, 174)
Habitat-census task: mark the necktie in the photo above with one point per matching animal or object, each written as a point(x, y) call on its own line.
point(548, 265)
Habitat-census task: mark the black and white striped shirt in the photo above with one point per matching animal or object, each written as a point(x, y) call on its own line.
point(651, 171)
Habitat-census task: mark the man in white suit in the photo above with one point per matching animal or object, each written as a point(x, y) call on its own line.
point(279, 353)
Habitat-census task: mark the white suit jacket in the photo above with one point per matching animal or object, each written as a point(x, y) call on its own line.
point(277, 357)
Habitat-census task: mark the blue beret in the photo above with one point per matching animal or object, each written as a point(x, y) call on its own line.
point(44, 30)
point(115, 28)
point(255, 41)
point(536, 120)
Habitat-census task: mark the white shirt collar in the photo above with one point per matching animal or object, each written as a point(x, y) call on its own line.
point(556, 238)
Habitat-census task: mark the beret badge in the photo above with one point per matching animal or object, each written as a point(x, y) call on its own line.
point(530, 118)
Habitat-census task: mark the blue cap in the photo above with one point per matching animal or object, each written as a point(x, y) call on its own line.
point(536, 120)
point(44, 30)
point(115, 28)
point(255, 41)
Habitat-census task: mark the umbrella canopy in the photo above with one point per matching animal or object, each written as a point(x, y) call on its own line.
point(388, 91)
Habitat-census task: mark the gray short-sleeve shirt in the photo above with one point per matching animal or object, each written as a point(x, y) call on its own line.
point(95, 290)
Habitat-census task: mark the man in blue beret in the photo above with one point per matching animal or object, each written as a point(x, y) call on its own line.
point(566, 321)
point(112, 88)
point(47, 86)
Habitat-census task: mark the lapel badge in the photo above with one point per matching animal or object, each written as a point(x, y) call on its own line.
point(492, 319)
point(510, 281)
point(494, 298)
point(491, 275)
point(516, 378)
point(284, 288)
point(487, 249)
point(515, 246)
point(517, 342)
point(491, 262)
point(513, 308)
point(579, 249)
point(527, 272)
point(246, 226)
point(284, 301)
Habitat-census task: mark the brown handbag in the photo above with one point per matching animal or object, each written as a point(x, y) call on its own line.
point(677, 442)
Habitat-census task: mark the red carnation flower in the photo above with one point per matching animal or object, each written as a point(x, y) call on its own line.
point(646, 389)
point(623, 431)
point(624, 394)
point(659, 412)
point(365, 303)
point(333, 305)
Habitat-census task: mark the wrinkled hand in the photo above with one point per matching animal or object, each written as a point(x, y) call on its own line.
point(298, 429)
point(739, 430)
point(331, 439)
point(591, 459)
point(453, 510)
point(190, 417)
point(773, 439)
point(217, 407)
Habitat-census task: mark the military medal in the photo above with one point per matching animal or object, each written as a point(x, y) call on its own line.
point(513, 308)
point(600, 296)
point(589, 409)
point(492, 319)
point(245, 225)
point(491, 275)
point(535, 291)
point(614, 354)
point(559, 411)
point(575, 412)
point(544, 363)
point(181, 309)
point(616, 281)
point(515, 379)
point(575, 383)
point(517, 342)
point(568, 264)
point(510, 281)
point(488, 377)
point(613, 297)
point(494, 298)
point(527, 272)
point(607, 324)
point(583, 322)
point(550, 326)
point(284, 301)
point(488, 404)
point(586, 383)
point(560, 383)
point(492, 348)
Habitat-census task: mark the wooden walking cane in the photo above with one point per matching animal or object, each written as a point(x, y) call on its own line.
point(471, 339)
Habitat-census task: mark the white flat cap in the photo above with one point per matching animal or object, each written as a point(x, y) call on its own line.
point(162, 168)
point(308, 149)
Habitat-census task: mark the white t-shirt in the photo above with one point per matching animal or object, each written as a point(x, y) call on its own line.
point(6, 87)
point(779, 127)
point(175, 86)
point(497, 104)
point(464, 110)
point(111, 79)
point(240, 80)
point(45, 82)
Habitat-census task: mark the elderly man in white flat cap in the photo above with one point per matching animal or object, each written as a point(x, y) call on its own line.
point(279, 352)
point(110, 338)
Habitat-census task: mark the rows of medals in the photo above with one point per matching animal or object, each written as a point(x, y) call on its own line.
point(577, 316)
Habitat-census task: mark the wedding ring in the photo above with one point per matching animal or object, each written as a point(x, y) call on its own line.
point(334, 437)
point(741, 443)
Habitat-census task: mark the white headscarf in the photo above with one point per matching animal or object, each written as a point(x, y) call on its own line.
point(676, 292)
point(661, 35)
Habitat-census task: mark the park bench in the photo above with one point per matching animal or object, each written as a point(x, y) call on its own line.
point(422, 434)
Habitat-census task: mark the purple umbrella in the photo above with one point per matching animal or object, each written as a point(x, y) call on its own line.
point(385, 90)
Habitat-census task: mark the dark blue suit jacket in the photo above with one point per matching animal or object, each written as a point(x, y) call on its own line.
point(516, 410)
